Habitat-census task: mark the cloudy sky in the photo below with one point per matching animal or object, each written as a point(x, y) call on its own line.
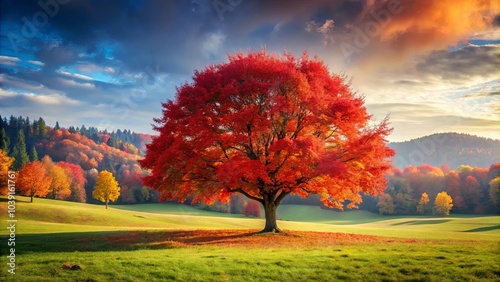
point(433, 66)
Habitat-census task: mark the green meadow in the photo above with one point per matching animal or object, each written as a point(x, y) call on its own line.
point(151, 242)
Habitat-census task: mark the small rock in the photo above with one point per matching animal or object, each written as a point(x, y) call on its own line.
point(71, 267)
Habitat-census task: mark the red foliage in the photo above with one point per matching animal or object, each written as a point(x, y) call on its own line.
point(132, 179)
point(77, 178)
point(252, 208)
point(267, 126)
point(494, 171)
point(78, 149)
point(104, 138)
point(471, 192)
point(452, 181)
point(145, 139)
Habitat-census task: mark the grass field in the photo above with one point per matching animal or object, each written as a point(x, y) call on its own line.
point(171, 242)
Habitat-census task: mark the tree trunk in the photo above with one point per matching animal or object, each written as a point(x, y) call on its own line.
point(270, 211)
point(106, 204)
point(31, 199)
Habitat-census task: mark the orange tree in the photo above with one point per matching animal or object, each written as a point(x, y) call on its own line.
point(33, 180)
point(5, 165)
point(424, 200)
point(267, 126)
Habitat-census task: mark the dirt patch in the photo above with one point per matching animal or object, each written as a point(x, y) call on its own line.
point(246, 238)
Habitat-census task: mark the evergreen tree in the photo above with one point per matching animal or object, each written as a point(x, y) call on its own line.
point(36, 128)
point(33, 154)
point(83, 130)
point(4, 141)
point(96, 138)
point(42, 128)
point(19, 152)
point(57, 126)
point(26, 125)
point(112, 142)
point(12, 130)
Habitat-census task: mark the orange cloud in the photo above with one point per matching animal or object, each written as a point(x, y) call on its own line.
point(429, 24)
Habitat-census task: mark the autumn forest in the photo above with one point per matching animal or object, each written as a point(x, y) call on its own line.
point(80, 153)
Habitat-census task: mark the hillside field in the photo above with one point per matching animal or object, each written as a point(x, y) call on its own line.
point(173, 242)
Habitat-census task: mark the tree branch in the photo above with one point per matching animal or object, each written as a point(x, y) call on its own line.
point(280, 197)
point(249, 196)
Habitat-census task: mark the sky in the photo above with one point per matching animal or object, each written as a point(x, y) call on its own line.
point(432, 66)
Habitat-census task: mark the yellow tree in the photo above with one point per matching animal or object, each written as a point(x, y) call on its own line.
point(5, 164)
point(60, 185)
point(106, 188)
point(443, 204)
point(60, 181)
point(495, 191)
point(424, 200)
point(33, 180)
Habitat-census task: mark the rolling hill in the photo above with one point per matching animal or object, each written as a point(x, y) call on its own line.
point(453, 149)
point(52, 216)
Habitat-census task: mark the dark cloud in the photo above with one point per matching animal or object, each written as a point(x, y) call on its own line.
point(106, 59)
point(55, 56)
point(140, 35)
point(496, 21)
point(466, 62)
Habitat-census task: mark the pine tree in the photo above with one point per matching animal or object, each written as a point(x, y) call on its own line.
point(57, 126)
point(33, 154)
point(4, 141)
point(42, 129)
point(19, 152)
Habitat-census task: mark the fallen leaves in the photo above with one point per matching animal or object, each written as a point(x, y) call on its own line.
point(245, 239)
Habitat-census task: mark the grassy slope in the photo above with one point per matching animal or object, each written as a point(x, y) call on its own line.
point(51, 233)
point(48, 216)
point(297, 217)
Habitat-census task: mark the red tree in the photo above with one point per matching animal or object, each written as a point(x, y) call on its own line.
point(267, 126)
point(472, 194)
point(453, 185)
point(77, 179)
point(252, 208)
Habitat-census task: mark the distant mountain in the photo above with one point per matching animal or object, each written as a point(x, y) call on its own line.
point(453, 149)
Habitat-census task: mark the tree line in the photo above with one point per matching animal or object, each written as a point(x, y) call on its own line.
point(73, 160)
point(87, 150)
point(73, 152)
point(473, 190)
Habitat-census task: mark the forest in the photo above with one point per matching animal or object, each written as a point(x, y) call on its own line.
point(80, 153)
point(86, 150)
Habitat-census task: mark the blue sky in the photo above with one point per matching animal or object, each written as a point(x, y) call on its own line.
point(433, 66)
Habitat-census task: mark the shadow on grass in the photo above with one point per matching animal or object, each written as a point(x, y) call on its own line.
point(421, 222)
point(120, 240)
point(18, 199)
point(484, 229)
